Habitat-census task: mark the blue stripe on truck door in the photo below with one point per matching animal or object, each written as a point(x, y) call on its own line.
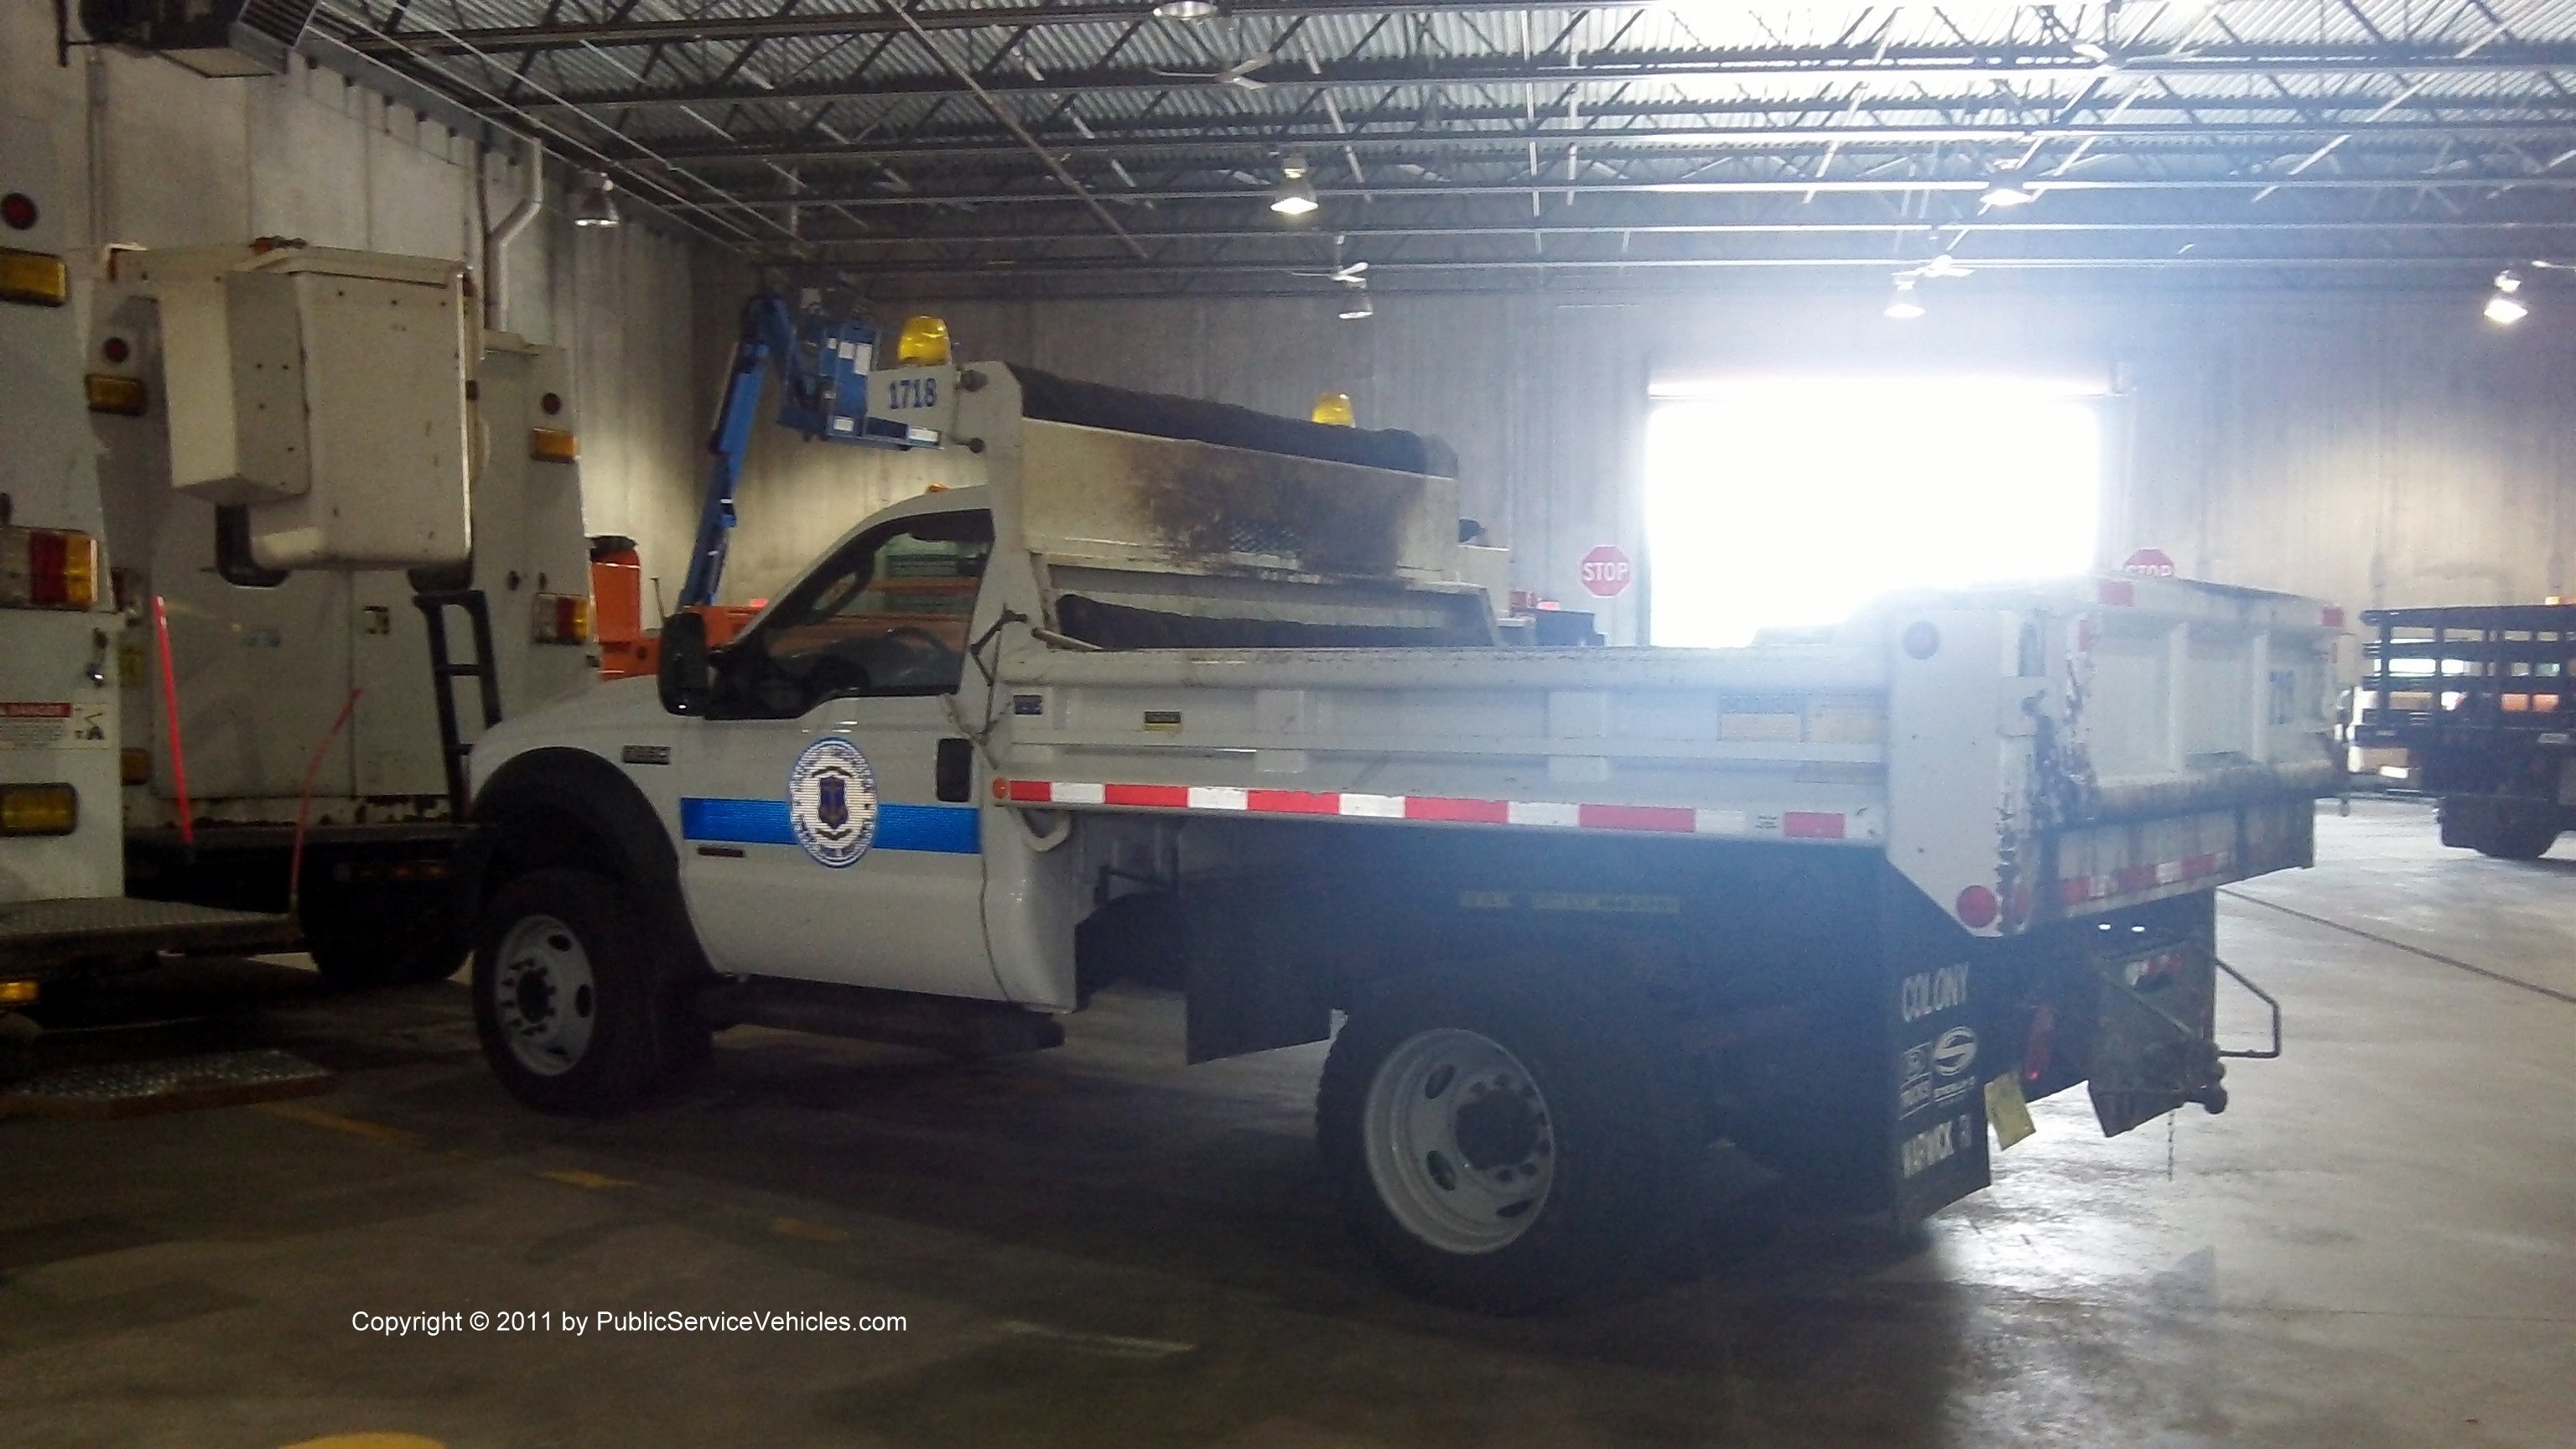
point(936, 829)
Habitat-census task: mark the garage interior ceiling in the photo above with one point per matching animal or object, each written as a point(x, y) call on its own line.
point(1100, 148)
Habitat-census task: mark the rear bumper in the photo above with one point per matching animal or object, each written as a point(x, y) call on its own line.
point(2097, 868)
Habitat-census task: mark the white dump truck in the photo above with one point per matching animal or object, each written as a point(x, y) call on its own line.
point(1196, 697)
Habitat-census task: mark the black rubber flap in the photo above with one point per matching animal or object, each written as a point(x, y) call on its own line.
point(1053, 399)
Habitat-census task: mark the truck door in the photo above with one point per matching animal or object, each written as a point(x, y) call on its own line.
point(814, 842)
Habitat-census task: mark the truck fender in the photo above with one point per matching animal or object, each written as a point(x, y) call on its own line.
point(567, 807)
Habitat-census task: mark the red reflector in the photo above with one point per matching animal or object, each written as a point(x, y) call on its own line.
point(1977, 907)
point(2331, 618)
point(1813, 825)
point(18, 209)
point(47, 552)
point(2036, 1048)
point(2119, 593)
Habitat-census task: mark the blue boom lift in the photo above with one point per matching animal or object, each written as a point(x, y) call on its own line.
point(822, 364)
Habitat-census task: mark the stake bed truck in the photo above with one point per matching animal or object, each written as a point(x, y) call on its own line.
point(1196, 697)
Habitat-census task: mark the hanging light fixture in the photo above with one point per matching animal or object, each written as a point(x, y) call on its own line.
point(2004, 191)
point(1357, 305)
point(1185, 10)
point(2503, 307)
point(595, 203)
point(1296, 195)
point(1902, 306)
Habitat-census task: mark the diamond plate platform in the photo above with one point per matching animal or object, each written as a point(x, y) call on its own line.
point(176, 1084)
point(35, 935)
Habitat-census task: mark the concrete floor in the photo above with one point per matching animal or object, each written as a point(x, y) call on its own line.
point(1097, 1246)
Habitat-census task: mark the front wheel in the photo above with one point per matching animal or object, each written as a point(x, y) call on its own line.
point(1504, 1140)
point(568, 997)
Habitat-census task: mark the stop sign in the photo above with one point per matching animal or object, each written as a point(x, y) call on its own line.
point(1607, 572)
point(2151, 563)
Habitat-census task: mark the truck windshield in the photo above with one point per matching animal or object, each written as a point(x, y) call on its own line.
point(887, 616)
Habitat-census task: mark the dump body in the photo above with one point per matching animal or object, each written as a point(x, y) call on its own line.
point(1209, 704)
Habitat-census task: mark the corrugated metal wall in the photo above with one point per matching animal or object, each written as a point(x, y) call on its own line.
point(2368, 449)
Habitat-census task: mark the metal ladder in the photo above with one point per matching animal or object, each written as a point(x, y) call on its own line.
point(444, 672)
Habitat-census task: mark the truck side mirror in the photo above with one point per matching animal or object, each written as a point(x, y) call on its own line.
point(686, 679)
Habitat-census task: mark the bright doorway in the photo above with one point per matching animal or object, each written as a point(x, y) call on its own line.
point(1791, 503)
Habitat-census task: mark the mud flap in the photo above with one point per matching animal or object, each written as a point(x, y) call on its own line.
point(1259, 953)
point(1936, 1065)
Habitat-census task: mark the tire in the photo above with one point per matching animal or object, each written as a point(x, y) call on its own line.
point(2503, 827)
point(2517, 834)
point(1566, 1160)
point(2511, 839)
point(574, 1006)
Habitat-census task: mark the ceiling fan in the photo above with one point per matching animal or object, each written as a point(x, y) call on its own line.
point(1354, 274)
point(1238, 75)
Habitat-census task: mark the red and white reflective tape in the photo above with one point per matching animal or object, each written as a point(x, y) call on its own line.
point(2131, 879)
point(1445, 810)
point(2224, 865)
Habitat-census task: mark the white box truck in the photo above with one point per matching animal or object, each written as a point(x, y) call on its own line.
point(64, 906)
point(1193, 696)
point(361, 513)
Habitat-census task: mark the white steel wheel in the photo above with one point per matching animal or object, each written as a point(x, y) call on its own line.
point(544, 996)
point(1458, 1141)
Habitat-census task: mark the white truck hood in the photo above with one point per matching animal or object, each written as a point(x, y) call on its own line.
point(619, 712)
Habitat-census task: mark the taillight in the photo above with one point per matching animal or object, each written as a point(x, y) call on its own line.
point(39, 809)
point(562, 619)
point(47, 568)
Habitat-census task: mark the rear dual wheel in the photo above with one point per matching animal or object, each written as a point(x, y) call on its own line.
point(1504, 1140)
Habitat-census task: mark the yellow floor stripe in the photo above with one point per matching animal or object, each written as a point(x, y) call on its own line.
point(576, 1177)
point(297, 1111)
point(810, 1232)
